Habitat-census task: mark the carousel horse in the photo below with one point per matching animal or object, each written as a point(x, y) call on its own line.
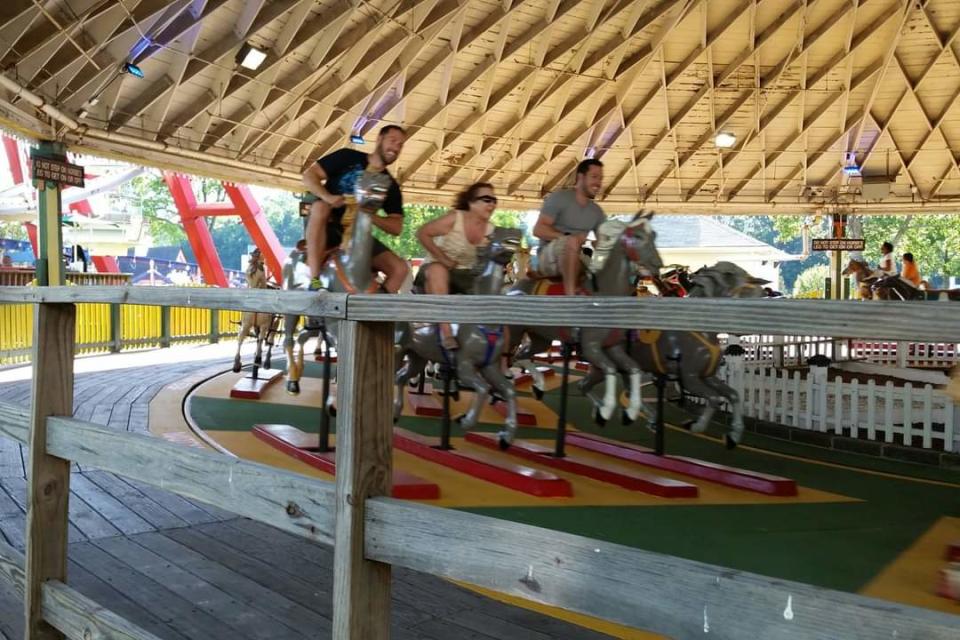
point(693, 357)
point(263, 325)
point(519, 266)
point(477, 361)
point(348, 270)
point(897, 288)
point(675, 282)
point(622, 248)
point(863, 275)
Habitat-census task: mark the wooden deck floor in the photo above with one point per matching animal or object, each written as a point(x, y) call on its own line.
point(189, 571)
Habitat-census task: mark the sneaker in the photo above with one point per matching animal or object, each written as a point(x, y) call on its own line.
point(315, 285)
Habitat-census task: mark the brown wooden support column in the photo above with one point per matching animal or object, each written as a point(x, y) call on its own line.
point(361, 588)
point(48, 477)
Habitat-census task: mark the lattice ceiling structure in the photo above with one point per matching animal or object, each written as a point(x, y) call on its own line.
point(515, 92)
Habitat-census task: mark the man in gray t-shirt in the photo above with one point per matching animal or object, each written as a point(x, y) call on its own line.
point(565, 220)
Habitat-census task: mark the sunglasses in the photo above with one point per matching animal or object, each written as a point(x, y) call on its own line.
point(487, 199)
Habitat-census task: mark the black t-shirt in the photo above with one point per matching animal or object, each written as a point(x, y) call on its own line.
point(343, 167)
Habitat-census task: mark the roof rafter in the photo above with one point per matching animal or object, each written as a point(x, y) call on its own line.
point(627, 71)
point(562, 83)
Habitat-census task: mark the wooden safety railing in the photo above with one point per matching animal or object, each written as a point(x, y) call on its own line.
point(371, 533)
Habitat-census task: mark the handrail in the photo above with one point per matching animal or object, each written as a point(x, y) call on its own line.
point(328, 305)
point(289, 501)
point(875, 319)
point(661, 593)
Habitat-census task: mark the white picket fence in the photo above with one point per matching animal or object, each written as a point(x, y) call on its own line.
point(792, 351)
point(921, 415)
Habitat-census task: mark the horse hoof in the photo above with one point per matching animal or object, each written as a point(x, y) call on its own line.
point(687, 424)
point(455, 396)
point(598, 418)
point(293, 388)
point(503, 443)
point(538, 393)
point(625, 419)
point(237, 367)
point(731, 443)
point(332, 410)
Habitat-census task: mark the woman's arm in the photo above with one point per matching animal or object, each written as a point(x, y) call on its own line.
point(433, 229)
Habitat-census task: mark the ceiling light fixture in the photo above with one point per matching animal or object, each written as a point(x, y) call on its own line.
point(357, 139)
point(132, 69)
point(725, 140)
point(249, 57)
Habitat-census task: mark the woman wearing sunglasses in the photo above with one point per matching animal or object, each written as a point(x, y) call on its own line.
point(451, 242)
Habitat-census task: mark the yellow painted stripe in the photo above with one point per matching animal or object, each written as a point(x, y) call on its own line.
point(912, 577)
point(596, 624)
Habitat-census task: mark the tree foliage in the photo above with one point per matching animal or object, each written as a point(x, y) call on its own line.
point(811, 282)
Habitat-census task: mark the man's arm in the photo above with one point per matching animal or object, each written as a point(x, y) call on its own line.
point(314, 179)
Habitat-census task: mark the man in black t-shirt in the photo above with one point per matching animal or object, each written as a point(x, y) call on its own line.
point(334, 175)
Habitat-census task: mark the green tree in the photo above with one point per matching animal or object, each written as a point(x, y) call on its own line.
point(810, 283)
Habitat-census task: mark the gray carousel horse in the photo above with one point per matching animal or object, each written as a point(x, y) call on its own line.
point(693, 357)
point(350, 269)
point(622, 248)
point(263, 325)
point(477, 361)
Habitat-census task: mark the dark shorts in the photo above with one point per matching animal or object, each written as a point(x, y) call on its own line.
point(461, 280)
point(335, 237)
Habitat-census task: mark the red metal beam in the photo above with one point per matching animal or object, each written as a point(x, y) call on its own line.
point(258, 227)
point(198, 234)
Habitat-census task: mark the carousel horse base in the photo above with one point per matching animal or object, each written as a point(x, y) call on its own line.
point(953, 552)
point(720, 474)
point(490, 467)
point(250, 388)
point(571, 463)
point(949, 585)
point(303, 446)
point(526, 377)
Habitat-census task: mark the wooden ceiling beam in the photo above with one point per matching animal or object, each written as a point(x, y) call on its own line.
point(489, 66)
point(205, 58)
point(757, 43)
point(628, 70)
point(769, 159)
point(410, 49)
point(561, 84)
point(813, 158)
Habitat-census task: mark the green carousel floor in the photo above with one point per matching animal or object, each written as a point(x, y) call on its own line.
point(841, 545)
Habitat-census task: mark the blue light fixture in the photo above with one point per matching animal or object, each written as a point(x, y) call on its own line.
point(132, 69)
point(852, 170)
point(357, 139)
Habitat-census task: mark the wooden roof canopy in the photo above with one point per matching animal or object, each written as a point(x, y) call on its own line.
point(515, 92)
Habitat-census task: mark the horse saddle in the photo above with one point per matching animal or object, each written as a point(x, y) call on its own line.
point(553, 286)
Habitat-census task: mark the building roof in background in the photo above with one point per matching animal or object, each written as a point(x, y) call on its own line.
point(702, 232)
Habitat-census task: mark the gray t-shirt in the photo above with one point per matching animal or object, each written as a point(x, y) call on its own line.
point(568, 216)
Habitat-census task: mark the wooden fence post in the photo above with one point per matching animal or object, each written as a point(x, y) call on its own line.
point(214, 326)
point(164, 326)
point(361, 588)
point(116, 328)
point(48, 477)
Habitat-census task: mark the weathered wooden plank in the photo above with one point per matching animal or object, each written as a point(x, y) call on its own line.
point(177, 505)
point(676, 597)
point(65, 609)
point(100, 590)
point(11, 463)
point(48, 477)
point(180, 614)
point(286, 615)
point(206, 597)
point(330, 305)
point(289, 501)
point(16, 488)
point(364, 470)
point(241, 487)
point(271, 565)
point(144, 507)
point(109, 507)
point(887, 320)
